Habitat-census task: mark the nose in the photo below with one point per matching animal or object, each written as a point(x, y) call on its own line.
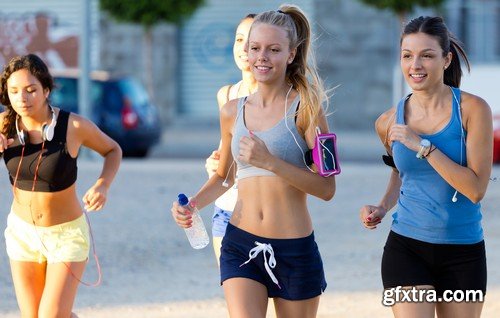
point(262, 57)
point(416, 64)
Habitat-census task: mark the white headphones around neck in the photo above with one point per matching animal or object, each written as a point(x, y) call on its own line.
point(47, 129)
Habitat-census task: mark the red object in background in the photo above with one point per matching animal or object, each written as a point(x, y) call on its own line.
point(496, 138)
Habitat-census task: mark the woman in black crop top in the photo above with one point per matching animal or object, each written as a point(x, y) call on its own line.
point(47, 235)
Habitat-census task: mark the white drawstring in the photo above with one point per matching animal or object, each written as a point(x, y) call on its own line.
point(264, 247)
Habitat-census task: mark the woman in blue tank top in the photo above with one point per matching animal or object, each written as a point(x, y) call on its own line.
point(269, 250)
point(440, 139)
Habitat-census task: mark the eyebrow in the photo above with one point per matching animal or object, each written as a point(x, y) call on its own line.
point(256, 42)
point(426, 50)
point(28, 86)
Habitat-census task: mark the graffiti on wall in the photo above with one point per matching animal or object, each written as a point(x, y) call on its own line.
point(40, 34)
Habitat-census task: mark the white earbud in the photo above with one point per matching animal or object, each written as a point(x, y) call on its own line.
point(454, 198)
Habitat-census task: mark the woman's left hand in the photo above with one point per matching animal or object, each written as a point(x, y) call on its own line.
point(95, 198)
point(254, 151)
point(405, 135)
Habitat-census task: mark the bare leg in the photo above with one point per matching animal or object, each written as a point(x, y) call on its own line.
point(217, 242)
point(414, 309)
point(29, 280)
point(60, 289)
point(307, 308)
point(459, 310)
point(245, 298)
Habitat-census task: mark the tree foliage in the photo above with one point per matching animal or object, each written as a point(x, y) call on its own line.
point(150, 12)
point(400, 7)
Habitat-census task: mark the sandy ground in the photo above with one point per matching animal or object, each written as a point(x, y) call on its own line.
point(150, 271)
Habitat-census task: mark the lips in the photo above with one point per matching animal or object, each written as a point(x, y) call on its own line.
point(418, 75)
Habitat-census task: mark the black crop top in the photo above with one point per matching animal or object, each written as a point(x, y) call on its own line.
point(57, 169)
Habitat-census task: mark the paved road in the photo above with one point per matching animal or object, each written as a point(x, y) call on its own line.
point(146, 259)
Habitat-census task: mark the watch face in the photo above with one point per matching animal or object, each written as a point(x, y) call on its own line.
point(425, 143)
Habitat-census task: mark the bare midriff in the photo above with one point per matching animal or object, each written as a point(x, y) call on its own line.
point(268, 206)
point(47, 208)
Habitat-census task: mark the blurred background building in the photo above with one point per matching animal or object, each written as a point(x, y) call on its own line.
point(356, 46)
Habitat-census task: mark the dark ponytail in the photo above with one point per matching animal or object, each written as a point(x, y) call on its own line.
point(453, 74)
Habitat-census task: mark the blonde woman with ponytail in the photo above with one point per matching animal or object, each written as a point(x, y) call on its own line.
point(269, 250)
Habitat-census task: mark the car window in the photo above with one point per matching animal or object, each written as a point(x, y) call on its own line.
point(113, 100)
point(134, 91)
point(65, 94)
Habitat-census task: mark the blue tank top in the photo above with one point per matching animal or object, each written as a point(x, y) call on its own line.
point(278, 139)
point(425, 210)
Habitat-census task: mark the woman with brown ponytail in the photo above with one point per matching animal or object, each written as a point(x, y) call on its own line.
point(441, 141)
point(269, 250)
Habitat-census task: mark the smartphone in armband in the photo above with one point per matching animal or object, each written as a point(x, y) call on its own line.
point(324, 155)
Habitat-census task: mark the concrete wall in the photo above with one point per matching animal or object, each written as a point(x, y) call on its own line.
point(356, 49)
point(123, 51)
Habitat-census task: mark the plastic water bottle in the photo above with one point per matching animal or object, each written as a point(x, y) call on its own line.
point(197, 233)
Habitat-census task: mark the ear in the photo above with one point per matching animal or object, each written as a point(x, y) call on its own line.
point(447, 60)
point(46, 92)
point(291, 57)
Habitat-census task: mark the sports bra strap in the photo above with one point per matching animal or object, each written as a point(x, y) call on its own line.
point(62, 126)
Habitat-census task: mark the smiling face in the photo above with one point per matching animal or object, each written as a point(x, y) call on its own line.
point(26, 94)
point(422, 61)
point(269, 52)
point(240, 40)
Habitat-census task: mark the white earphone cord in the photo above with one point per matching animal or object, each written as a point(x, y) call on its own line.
point(291, 133)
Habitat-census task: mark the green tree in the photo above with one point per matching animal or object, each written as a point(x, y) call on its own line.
point(402, 8)
point(148, 13)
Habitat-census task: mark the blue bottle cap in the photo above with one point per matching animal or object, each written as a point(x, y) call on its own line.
point(182, 199)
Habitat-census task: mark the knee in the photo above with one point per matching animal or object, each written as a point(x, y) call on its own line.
point(54, 312)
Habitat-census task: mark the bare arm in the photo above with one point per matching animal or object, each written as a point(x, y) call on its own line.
point(472, 180)
point(212, 161)
point(86, 133)
point(371, 215)
point(213, 188)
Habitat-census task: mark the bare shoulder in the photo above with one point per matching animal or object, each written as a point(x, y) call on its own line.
point(474, 103)
point(222, 95)
point(229, 109)
point(79, 123)
point(384, 122)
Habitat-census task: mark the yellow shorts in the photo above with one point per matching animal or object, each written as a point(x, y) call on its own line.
point(65, 242)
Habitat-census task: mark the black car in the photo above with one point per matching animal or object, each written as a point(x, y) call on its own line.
point(120, 107)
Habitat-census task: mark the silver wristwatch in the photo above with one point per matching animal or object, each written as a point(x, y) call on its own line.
point(425, 145)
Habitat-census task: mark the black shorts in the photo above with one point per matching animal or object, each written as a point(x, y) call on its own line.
point(298, 268)
point(410, 262)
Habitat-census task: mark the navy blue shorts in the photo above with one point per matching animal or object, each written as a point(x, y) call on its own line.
point(220, 219)
point(298, 269)
point(410, 262)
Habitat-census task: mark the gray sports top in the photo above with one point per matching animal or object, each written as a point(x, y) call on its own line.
point(278, 139)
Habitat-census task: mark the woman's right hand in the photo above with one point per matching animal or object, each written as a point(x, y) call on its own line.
point(181, 215)
point(371, 216)
point(212, 163)
point(5, 142)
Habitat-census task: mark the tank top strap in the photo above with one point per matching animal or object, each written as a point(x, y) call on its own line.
point(456, 98)
point(61, 126)
point(239, 117)
point(400, 110)
point(294, 106)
